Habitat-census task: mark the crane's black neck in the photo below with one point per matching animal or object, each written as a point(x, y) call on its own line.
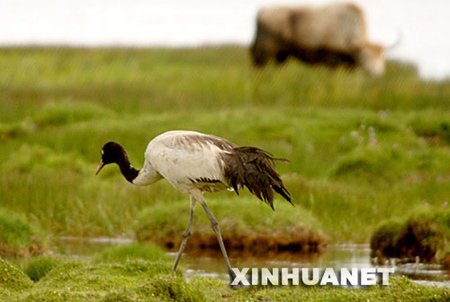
point(128, 171)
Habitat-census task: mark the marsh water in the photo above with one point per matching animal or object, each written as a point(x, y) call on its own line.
point(211, 263)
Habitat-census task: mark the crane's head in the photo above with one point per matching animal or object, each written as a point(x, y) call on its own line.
point(111, 153)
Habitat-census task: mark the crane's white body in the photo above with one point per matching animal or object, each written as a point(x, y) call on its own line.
point(185, 158)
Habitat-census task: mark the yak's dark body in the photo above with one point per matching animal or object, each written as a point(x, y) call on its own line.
point(333, 35)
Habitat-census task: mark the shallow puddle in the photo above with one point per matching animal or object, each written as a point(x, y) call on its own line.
point(211, 264)
point(336, 256)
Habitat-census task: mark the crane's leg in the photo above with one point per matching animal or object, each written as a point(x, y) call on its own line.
point(216, 228)
point(186, 235)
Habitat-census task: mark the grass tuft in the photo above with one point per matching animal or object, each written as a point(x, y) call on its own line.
point(425, 234)
point(17, 236)
point(37, 267)
point(173, 289)
point(145, 251)
point(12, 278)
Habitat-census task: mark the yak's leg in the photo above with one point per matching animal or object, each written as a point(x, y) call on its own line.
point(281, 57)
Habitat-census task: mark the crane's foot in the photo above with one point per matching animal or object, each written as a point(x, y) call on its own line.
point(232, 278)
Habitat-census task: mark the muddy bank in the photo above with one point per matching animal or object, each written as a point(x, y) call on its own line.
point(35, 248)
point(257, 245)
point(423, 237)
point(245, 226)
point(446, 261)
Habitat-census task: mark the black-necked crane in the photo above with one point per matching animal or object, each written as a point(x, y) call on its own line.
point(195, 163)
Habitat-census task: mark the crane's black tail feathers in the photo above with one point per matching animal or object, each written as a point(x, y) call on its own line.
point(254, 168)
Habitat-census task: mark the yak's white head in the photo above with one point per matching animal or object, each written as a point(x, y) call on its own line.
point(371, 58)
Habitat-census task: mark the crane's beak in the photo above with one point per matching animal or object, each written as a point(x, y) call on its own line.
point(100, 167)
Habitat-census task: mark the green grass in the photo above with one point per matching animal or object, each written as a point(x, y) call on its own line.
point(143, 280)
point(155, 80)
point(19, 237)
point(147, 251)
point(362, 150)
point(37, 267)
point(12, 279)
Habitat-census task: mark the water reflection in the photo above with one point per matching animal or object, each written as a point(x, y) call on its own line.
point(336, 256)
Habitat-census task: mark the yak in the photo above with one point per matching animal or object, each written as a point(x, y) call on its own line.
point(333, 35)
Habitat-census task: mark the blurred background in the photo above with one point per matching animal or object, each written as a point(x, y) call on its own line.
point(423, 26)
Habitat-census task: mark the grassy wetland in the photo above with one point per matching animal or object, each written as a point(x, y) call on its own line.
point(362, 150)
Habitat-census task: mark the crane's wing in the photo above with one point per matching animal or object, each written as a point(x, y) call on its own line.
point(186, 157)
